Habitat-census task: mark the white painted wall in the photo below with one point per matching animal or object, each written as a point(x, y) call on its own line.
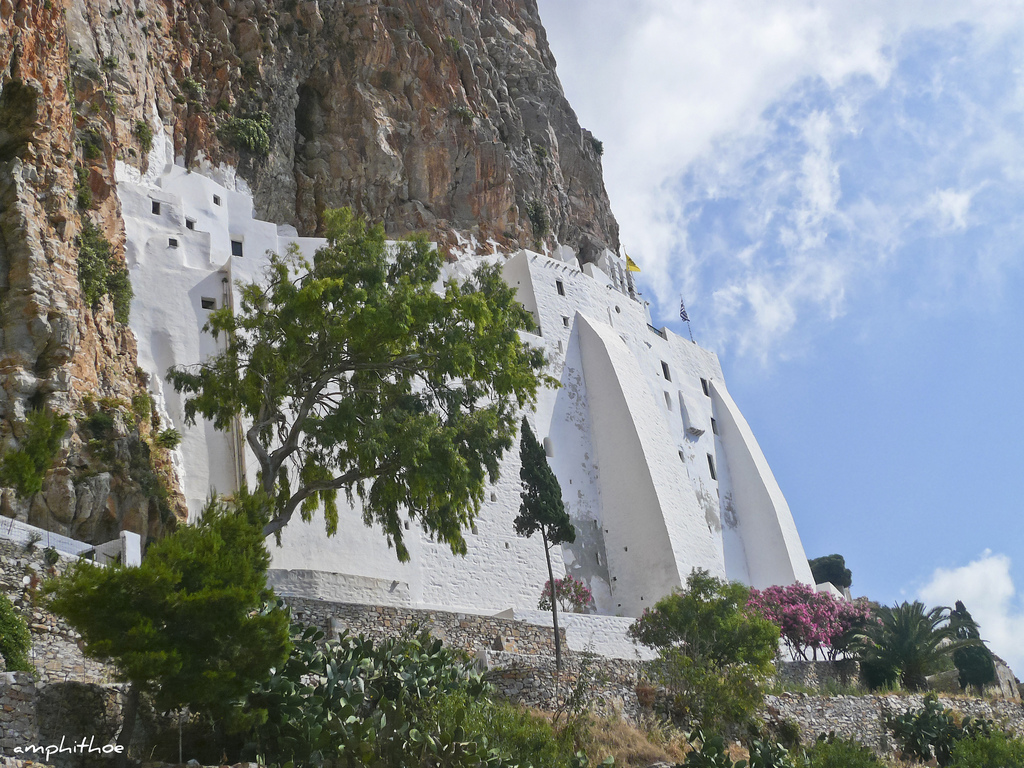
point(629, 446)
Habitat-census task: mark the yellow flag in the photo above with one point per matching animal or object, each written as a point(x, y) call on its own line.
point(631, 265)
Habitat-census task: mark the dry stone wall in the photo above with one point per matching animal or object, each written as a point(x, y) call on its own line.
point(609, 685)
point(818, 674)
point(55, 652)
point(469, 632)
point(17, 711)
point(862, 717)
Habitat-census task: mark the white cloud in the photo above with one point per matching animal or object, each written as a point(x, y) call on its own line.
point(699, 103)
point(951, 208)
point(987, 590)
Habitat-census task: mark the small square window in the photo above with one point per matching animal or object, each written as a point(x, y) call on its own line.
point(156, 208)
point(560, 287)
point(208, 303)
point(682, 458)
point(714, 426)
point(711, 466)
point(565, 321)
point(216, 199)
point(704, 386)
point(668, 401)
point(172, 242)
point(236, 247)
point(664, 370)
point(190, 223)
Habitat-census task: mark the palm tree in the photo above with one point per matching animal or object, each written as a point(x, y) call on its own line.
point(907, 644)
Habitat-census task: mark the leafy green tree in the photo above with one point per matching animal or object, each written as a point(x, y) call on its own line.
point(542, 510)
point(974, 663)
point(185, 626)
point(715, 654)
point(357, 376)
point(906, 644)
point(25, 467)
point(15, 640)
point(831, 569)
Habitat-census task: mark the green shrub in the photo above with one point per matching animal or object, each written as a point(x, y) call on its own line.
point(537, 212)
point(509, 730)
point(83, 192)
point(144, 134)
point(933, 731)
point(25, 467)
point(142, 405)
point(99, 275)
point(99, 425)
point(109, 63)
point(465, 114)
point(833, 752)
point(352, 698)
point(993, 751)
point(51, 556)
point(768, 754)
point(709, 752)
point(193, 88)
point(170, 439)
point(15, 640)
point(453, 45)
point(249, 133)
point(92, 144)
point(715, 657)
point(598, 145)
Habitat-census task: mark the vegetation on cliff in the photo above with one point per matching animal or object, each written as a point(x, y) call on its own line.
point(24, 468)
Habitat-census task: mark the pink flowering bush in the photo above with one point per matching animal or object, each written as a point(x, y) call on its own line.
point(573, 595)
point(811, 622)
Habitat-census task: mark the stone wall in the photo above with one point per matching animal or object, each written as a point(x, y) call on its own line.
point(35, 714)
point(861, 717)
point(17, 711)
point(818, 675)
point(609, 684)
point(467, 631)
point(55, 653)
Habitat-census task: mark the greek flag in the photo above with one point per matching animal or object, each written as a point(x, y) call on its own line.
point(682, 311)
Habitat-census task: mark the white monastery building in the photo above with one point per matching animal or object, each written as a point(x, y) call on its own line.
point(659, 470)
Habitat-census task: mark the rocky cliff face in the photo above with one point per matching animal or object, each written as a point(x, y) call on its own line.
point(426, 115)
point(444, 116)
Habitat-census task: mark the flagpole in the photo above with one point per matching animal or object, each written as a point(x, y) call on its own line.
point(685, 317)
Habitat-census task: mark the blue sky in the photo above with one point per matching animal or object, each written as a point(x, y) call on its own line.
point(837, 190)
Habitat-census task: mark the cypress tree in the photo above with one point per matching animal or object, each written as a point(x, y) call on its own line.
point(974, 663)
point(542, 510)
